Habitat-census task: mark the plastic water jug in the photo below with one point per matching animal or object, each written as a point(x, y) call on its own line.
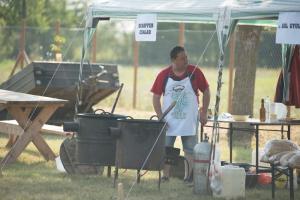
point(233, 182)
point(201, 163)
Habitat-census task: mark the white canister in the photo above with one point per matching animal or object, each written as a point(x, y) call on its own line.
point(233, 182)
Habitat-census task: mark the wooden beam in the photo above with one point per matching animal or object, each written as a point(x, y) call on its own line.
point(57, 27)
point(181, 35)
point(9, 128)
point(12, 127)
point(135, 70)
point(43, 147)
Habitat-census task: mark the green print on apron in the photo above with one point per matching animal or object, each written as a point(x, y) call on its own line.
point(182, 120)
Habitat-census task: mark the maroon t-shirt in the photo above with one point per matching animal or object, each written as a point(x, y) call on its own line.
point(198, 79)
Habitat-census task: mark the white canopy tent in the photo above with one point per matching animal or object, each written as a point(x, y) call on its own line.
point(185, 10)
point(190, 10)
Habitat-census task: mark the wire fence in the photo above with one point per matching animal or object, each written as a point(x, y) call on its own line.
point(113, 46)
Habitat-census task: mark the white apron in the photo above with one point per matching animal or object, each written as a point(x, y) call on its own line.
point(182, 119)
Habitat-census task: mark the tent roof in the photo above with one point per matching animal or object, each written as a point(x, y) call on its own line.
point(190, 10)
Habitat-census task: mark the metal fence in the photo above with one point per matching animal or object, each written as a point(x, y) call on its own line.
point(117, 47)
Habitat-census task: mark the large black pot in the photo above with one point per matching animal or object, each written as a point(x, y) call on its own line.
point(135, 140)
point(94, 143)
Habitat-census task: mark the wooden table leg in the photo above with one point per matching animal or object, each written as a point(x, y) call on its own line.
point(16, 150)
point(31, 133)
point(11, 141)
point(43, 147)
point(13, 138)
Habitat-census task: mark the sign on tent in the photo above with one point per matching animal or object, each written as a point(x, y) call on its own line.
point(288, 29)
point(145, 27)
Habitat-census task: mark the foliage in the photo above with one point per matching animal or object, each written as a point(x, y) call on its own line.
point(114, 45)
point(58, 42)
point(42, 14)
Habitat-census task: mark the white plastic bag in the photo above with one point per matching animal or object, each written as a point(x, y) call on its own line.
point(294, 161)
point(276, 146)
point(284, 160)
point(59, 165)
point(215, 173)
point(275, 159)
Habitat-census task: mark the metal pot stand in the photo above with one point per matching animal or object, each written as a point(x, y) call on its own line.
point(134, 141)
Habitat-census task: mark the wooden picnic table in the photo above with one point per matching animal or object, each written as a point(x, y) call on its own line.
point(21, 106)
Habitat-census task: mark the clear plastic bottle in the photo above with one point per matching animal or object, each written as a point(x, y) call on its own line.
point(267, 107)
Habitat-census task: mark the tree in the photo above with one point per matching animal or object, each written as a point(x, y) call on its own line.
point(244, 82)
point(43, 14)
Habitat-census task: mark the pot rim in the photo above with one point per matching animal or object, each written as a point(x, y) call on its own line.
point(141, 120)
point(100, 116)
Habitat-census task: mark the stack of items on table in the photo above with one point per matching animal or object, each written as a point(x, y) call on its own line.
point(284, 158)
point(282, 152)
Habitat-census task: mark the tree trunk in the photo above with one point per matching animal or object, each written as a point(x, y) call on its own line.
point(244, 81)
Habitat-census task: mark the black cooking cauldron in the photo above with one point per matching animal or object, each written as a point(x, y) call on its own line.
point(135, 140)
point(94, 143)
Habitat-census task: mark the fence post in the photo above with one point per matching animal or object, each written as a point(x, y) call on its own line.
point(135, 70)
point(181, 34)
point(58, 55)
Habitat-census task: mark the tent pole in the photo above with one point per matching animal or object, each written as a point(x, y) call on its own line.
point(94, 47)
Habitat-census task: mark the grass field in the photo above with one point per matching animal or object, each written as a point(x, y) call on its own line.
point(31, 177)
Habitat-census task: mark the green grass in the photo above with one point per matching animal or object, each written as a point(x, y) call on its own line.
point(32, 178)
point(6, 67)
